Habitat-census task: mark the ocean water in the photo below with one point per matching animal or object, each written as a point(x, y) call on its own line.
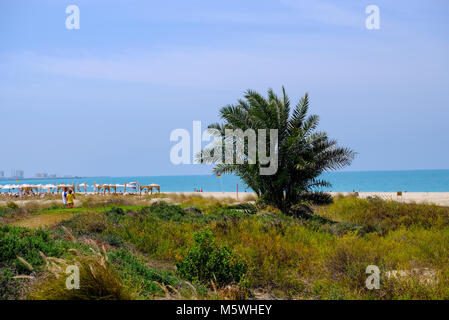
point(368, 181)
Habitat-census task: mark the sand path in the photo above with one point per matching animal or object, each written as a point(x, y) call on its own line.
point(42, 220)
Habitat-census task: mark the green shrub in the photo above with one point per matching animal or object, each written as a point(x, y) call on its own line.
point(137, 274)
point(12, 206)
point(112, 239)
point(15, 241)
point(87, 223)
point(164, 211)
point(206, 261)
point(115, 211)
point(115, 215)
point(9, 287)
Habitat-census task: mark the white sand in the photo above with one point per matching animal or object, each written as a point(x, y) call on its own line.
point(218, 195)
point(439, 198)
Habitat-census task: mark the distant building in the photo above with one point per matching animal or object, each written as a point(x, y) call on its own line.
point(2, 174)
point(53, 176)
point(41, 175)
point(19, 174)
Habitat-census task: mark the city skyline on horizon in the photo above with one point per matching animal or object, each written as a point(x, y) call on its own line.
point(55, 176)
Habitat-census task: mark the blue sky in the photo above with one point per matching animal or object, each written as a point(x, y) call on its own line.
point(102, 100)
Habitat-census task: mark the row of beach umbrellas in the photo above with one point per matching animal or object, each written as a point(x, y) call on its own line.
point(52, 186)
point(30, 186)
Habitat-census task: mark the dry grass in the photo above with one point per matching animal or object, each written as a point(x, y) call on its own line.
point(289, 258)
point(98, 281)
point(202, 199)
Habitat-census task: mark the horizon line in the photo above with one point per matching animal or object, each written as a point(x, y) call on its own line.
point(177, 175)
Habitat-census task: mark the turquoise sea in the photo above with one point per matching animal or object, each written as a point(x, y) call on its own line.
point(380, 181)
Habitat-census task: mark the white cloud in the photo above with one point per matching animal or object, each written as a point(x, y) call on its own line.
point(205, 68)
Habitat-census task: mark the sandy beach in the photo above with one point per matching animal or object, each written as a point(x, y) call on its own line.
point(439, 198)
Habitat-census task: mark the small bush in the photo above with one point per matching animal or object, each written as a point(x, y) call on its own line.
point(9, 287)
point(11, 208)
point(114, 211)
point(138, 275)
point(26, 244)
point(12, 205)
point(87, 223)
point(207, 262)
point(112, 239)
point(98, 281)
point(164, 211)
point(115, 215)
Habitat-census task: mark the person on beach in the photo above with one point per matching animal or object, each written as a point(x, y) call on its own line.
point(70, 199)
point(64, 197)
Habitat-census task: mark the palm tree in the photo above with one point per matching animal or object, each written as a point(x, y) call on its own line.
point(303, 152)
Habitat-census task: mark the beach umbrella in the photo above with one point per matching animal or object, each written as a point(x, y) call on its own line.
point(83, 185)
point(49, 186)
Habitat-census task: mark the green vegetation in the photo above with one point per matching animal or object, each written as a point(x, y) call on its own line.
point(98, 281)
point(20, 254)
point(206, 249)
point(206, 261)
point(137, 274)
point(303, 153)
point(383, 216)
point(9, 209)
point(24, 243)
